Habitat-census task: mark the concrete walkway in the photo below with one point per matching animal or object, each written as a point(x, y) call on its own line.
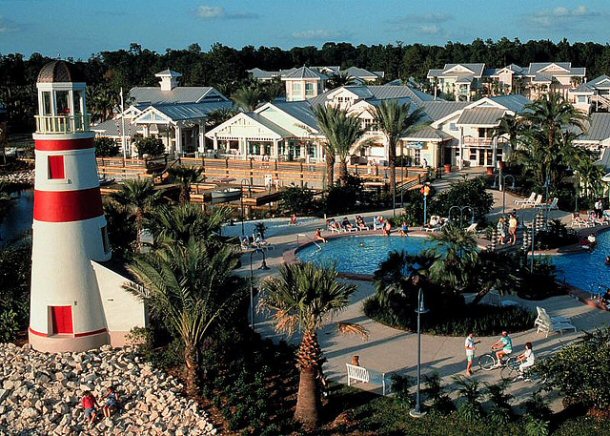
point(391, 350)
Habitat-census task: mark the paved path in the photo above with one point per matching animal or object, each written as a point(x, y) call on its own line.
point(391, 350)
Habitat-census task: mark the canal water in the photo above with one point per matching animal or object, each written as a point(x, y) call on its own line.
point(19, 218)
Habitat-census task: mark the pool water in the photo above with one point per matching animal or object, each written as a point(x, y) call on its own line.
point(587, 271)
point(275, 226)
point(361, 254)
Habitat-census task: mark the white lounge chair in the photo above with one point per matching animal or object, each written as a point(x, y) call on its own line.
point(537, 202)
point(526, 201)
point(547, 324)
point(472, 228)
point(552, 205)
point(437, 228)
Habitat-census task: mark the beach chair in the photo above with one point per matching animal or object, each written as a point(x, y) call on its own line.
point(526, 201)
point(437, 228)
point(537, 202)
point(546, 324)
point(552, 205)
point(472, 228)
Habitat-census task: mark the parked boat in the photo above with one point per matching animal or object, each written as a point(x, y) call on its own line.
point(226, 194)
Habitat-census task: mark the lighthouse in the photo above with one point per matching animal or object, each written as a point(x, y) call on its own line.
point(71, 291)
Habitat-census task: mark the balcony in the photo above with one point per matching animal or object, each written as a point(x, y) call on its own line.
point(62, 124)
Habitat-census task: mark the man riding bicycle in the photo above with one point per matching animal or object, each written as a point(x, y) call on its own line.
point(503, 347)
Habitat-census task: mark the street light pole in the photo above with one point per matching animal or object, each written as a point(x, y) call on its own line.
point(421, 309)
point(251, 293)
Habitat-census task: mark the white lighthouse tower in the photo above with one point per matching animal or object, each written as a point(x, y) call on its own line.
point(69, 229)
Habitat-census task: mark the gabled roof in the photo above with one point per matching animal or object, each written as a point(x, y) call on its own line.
point(360, 73)
point(513, 102)
point(427, 133)
point(542, 78)
point(464, 79)
point(383, 92)
point(190, 111)
point(481, 117)
point(599, 127)
point(113, 128)
point(304, 73)
point(270, 129)
point(439, 109)
point(476, 69)
point(555, 69)
point(301, 110)
point(180, 94)
point(600, 81)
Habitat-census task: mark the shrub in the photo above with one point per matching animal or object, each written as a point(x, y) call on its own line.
point(467, 193)
point(540, 283)
point(149, 146)
point(296, 200)
point(557, 235)
point(9, 326)
point(106, 147)
point(344, 198)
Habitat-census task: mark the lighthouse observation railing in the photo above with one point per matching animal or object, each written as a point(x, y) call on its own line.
point(62, 124)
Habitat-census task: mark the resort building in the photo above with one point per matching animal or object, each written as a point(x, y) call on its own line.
point(592, 96)
point(455, 133)
point(465, 81)
point(177, 115)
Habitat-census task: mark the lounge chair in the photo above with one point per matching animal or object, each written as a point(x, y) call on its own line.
point(472, 228)
point(546, 324)
point(552, 205)
point(537, 202)
point(526, 201)
point(579, 223)
point(437, 228)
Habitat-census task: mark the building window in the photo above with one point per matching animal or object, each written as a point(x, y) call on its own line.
point(367, 124)
point(310, 89)
point(417, 157)
point(582, 98)
point(453, 127)
point(473, 155)
point(56, 167)
point(297, 88)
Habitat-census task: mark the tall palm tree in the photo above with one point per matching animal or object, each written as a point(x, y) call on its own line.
point(185, 176)
point(191, 291)
point(551, 114)
point(102, 102)
point(510, 126)
point(342, 131)
point(138, 197)
point(178, 224)
point(394, 120)
point(303, 298)
point(247, 98)
point(455, 253)
point(337, 80)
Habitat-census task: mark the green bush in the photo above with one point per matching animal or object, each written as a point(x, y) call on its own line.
point(15, 279)
point(9, 326)
point(467, 193)
point(106, 147)
point(585, 425)
point(149, 146)
point(557, 235)
point(296, 200)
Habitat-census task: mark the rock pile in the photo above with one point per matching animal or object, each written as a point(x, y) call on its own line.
point(40, 395)
point(21, 178)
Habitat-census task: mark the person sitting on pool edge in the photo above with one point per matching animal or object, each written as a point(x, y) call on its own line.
point(404, 229)
point(318, 236)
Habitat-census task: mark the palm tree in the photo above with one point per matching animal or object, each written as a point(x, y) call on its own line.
point(102, 102)
point(185, 176)
point(247, 98)
point(337, 80)
point(510, 126)
point(455, 253)
point(177, 224)
point(552, 115)
point(138, 197)
point(342, 131)
point(191, 291)
point(218, 116)
point(394, 120)
point(303, 298)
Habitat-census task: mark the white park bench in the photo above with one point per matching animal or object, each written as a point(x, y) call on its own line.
point(363, 375)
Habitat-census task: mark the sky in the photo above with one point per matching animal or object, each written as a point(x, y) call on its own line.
point(80, 28)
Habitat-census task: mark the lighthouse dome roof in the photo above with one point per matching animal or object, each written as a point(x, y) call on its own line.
point(60, 71)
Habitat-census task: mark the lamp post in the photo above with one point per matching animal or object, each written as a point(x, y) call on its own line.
point(251, 293)
point(421, 309)
point(576, 189)
point(425, 190)
point(500, 183)
point(241, 204)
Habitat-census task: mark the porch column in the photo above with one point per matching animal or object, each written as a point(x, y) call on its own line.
point(201, 147)
point(146, 131)
point(461, 148)
point(215, 143)
point(494, 151)
point(468, 92)
point(178, 140)
point(243, 148)
point(276, 149)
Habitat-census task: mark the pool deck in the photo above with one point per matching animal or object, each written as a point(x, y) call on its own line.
point(391, 350)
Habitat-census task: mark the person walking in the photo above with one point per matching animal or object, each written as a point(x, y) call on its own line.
point(470, 347)
point(512, 228)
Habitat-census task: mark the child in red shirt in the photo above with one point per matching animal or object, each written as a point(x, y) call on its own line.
point(89, 404)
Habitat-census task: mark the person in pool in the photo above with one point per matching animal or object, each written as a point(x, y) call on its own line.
point(404, 229)
point(607, 261)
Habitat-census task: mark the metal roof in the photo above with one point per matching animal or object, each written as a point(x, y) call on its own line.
point(476, 68)
point(269, 124)
point(439, 109)
point(542, 78)
point(168, 72)
point(190, 111)
point(180, 94)
point(513, 102)
point(304, 73)
point(360, 72)
point(60, 71)
point(383, 92)
point(599, 127)
point(465, 79)
point(113, 128)
point(301, 110)
point(481, 117)
point(427, 132)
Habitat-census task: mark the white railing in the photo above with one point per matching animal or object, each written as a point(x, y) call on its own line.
point(62, 124)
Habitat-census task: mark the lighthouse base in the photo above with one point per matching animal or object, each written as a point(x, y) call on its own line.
point(67, 343)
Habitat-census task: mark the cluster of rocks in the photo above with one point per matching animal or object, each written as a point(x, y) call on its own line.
point(40, 394)
point(19, 178)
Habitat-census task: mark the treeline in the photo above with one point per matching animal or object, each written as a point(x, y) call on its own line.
point(225, 67)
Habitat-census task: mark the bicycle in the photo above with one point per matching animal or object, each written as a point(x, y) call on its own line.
point(489, 361)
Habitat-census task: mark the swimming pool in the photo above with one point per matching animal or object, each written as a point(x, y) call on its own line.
point(587, 271)
point(360, 254)
point(275, 226)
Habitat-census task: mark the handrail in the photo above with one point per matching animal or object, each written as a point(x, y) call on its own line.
point(62, 124)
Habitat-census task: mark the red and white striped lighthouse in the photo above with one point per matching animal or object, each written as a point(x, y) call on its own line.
point(69, 229)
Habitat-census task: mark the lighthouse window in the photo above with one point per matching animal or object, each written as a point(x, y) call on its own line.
point(46, 103)
point(62, 102)
point(56, 167)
